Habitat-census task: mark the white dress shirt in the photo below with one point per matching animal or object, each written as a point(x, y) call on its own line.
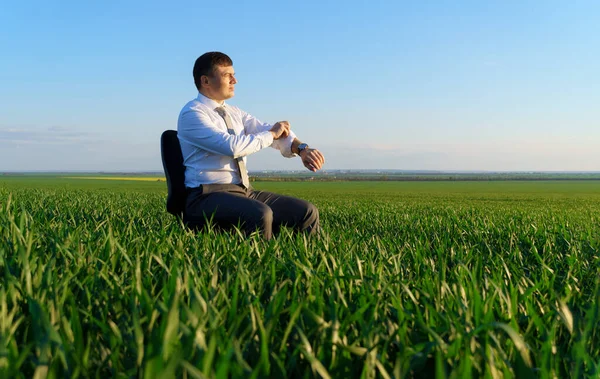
point(208, 148)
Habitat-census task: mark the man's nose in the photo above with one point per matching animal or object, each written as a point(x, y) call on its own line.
point(233, 80)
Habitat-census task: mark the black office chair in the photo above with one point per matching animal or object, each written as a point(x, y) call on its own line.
point(172, 160)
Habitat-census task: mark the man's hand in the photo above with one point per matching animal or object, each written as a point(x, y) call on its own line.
point(312, 159)
point(281, 129)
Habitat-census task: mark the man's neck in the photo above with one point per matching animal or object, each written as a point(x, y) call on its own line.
point(207, 95)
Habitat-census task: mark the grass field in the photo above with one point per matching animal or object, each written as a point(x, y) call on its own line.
point(409, 279)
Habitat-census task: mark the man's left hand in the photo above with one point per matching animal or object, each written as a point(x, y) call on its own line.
point(312, 159)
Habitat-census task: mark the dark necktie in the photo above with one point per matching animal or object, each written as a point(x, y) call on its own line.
point(240, 160)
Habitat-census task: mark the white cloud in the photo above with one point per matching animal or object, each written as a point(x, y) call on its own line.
point(54, 135)
point(60, 148)
point(64, 149)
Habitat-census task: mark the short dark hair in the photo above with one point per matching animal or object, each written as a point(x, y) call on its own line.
point(206, 63)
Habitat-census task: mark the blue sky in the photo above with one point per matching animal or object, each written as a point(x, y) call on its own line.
point(443, 85)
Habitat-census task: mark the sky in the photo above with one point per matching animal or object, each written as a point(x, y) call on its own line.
point(438, 85)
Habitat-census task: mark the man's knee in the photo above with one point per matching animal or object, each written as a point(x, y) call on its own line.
point(311, 218)
point(312, 212)
point(260, 214)
point(259, 218)
point(266, 215)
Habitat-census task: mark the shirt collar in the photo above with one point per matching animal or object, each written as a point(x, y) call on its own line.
point(209, 102)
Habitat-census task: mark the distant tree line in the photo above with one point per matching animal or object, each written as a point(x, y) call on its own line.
point(424, 178)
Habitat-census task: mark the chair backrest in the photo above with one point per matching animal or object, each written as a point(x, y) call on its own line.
point(172, 160)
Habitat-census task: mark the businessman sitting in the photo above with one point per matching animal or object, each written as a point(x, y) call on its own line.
point(215, 140)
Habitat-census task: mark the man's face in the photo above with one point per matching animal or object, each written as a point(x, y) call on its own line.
point(221, 83)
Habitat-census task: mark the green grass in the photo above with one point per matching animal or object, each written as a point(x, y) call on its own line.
point(453, 279)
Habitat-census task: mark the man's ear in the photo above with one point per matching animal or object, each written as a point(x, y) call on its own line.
point(204, 80)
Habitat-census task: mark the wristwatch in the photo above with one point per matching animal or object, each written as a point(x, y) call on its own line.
point(302, 146)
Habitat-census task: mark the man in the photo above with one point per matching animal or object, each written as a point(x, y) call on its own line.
point(215, 140)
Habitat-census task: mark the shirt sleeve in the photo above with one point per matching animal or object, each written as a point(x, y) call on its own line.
point(253, 125)
point(197, 129)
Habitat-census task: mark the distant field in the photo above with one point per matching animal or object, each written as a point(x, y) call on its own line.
point(454, 279)
point(575, 188)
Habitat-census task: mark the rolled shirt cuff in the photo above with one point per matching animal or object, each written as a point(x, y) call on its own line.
point(284, 145)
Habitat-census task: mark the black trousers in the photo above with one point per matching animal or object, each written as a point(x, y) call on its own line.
point(228, 205)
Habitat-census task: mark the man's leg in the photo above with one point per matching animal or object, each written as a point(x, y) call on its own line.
point(290, 211)
point(228, 208)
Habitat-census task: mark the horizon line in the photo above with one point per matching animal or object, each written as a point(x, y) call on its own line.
point(308, 172)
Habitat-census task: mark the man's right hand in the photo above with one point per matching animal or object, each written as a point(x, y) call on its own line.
point(281, 129)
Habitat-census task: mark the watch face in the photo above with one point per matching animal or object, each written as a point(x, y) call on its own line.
point(302, 146)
